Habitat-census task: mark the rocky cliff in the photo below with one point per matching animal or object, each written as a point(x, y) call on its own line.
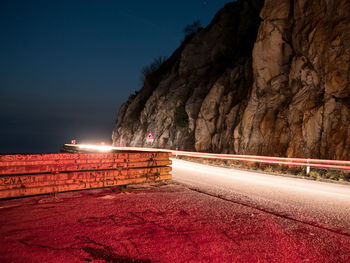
point(265, 77)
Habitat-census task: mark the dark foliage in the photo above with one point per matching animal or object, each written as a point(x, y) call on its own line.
point(180, 116)
point(149, 70)
point(192, 28)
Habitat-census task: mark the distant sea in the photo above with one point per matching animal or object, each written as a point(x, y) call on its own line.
point(31, 144)
point(34, 144)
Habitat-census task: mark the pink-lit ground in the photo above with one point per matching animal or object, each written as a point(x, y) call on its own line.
point(156, 223)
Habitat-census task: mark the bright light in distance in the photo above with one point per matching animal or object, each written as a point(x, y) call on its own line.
point(100, 148)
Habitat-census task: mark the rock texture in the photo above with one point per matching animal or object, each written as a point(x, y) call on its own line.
point(269, 78)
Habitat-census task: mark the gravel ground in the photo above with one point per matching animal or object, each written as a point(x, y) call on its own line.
point(157, 223)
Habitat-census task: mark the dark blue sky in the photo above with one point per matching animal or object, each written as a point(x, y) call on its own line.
point(67, 66)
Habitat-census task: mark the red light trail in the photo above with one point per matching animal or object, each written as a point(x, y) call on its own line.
point(304, 162)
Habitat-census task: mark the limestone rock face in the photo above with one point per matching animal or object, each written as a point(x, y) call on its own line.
point(277, 84)
point(299, 104)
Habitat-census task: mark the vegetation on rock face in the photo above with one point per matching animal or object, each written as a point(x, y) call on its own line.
point(148, 71)
point(192, 28)
point(154, 68)
point(180, 116)
point(133, 96)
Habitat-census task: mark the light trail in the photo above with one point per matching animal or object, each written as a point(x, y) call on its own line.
point(301, 162)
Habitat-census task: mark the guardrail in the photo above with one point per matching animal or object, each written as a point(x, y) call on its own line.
point(301, 162)
point(32, 174)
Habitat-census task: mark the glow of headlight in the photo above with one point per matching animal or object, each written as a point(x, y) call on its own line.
point(100, 148)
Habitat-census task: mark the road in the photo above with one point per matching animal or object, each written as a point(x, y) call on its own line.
point(320, 204)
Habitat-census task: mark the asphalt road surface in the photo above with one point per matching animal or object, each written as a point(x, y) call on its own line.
point(320, 204)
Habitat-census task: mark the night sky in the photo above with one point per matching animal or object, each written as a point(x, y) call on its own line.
point(67, 66)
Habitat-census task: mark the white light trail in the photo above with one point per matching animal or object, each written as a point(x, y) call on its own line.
point(303, 162)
